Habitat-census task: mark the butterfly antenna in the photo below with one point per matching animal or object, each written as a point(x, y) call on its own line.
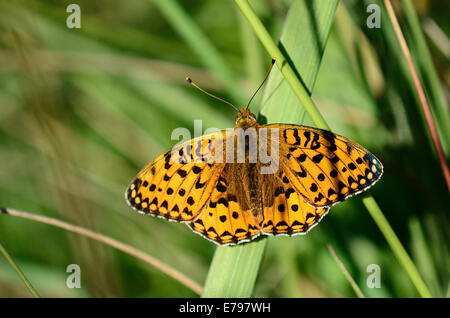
point(265, 78)
point(188, 79)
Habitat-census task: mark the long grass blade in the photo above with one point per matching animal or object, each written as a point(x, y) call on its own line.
point(186, 281)
point(350, 279)
point(193, 35)
point(438, 102)
point(421, 94)
point(282, 63)
point(396, 246)
point(19, 272)
point(234, 270)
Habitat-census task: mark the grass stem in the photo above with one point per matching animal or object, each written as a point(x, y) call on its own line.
point(421, 94)
point(350, 279)
point(19, 272)
point(186, 281)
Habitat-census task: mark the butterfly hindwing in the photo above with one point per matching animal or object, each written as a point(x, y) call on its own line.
point(227, 218)
point(284, 210)
point(325, 168)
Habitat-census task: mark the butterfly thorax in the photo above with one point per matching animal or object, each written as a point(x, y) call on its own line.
point(245, 119)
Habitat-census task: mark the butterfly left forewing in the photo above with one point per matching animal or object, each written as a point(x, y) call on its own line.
point(178, 183)
point(325, 168)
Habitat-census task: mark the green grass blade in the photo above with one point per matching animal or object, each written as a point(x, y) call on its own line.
point(281, 104)
point(396, 246)
point(252, 52)
point(19, 272)
point(234, 269)
point(283, 63)
point(427, 70)
point(194, 36)
point(347, 275)
point(304, 52)
point(422, 256)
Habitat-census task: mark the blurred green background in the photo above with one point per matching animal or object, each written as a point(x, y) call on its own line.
point(83, 110)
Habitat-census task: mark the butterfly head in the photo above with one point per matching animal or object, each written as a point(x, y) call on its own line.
point(245, 118)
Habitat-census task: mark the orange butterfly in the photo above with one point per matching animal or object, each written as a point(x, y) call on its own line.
point(232, 201)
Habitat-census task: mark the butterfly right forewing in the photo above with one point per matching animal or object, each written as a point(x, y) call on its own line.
point(325, 168)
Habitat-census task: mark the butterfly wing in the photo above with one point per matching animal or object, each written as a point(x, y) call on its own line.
point(178, 183)
point(325, 168)
point(231, 203)
point(228, 218)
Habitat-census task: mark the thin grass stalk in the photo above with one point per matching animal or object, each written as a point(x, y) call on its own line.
point(350, 279)
point(19, 272)
point(431, 126)
point(429, 74)
point(396, 246)
point(320, 122)
point(282, 63)
point(186, 281)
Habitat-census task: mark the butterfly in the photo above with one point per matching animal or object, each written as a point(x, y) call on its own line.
point(231, 201)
